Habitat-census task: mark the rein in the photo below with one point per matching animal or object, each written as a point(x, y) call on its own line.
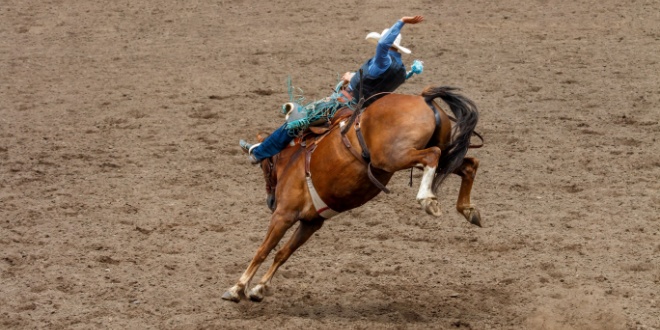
point(365, 157)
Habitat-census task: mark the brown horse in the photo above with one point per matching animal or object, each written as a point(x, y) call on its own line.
point(398, 132)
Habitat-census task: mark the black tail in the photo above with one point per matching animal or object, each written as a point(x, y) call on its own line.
point(467, 117)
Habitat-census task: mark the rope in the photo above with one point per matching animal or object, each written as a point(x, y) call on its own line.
point(319, 111)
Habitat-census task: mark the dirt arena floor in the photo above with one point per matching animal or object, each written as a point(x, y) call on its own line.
point(125, 202)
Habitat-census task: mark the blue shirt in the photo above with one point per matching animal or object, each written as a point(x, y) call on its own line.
point(378, 64)
point(382, 60)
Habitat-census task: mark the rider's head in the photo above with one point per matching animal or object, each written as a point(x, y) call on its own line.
point(374, 37)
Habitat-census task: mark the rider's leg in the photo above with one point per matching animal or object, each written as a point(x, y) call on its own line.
point(273, 144)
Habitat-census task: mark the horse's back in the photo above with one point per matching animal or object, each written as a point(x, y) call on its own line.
point(397, 123)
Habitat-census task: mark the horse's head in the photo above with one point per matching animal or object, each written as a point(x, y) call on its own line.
point(270, 175)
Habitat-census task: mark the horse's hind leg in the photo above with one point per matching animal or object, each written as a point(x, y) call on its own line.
point(300, 236)
point(425, 195)
point(408, 158)
point(467, 171)
point(279, 224)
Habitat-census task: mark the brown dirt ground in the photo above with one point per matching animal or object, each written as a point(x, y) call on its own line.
point(125, 202)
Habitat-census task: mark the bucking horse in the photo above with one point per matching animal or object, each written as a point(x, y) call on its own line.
point(352, 162)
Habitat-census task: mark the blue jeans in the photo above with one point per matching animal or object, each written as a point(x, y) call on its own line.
point(273, 144)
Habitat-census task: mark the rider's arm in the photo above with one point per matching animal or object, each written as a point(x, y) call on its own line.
point(381, 61)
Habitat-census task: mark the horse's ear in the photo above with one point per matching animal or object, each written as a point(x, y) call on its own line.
point(261, 136)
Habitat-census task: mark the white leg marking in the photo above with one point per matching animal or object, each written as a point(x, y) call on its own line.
point(245, 278)
point(425, 187)
point(258, 290)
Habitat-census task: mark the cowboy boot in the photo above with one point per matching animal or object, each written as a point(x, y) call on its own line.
point(247, 148)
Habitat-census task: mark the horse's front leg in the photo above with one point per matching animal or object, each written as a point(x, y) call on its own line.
point(279, 224)
point(304, 231)
point(467, 171)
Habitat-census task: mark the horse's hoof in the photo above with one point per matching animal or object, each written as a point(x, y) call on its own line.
point(431, 206)
point(257, 293)
point(473, 216)
point(232, 294)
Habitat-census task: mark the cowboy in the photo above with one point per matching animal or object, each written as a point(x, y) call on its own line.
point(382, 73)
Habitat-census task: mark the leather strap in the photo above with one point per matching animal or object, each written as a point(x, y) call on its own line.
point(366, 155)
point(436, 114)
point(434, 107)
point(349, 146)
point(375, 181)
point(345, 96)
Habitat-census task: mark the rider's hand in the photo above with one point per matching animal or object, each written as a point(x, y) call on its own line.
point(412, 19)
point(347, 76)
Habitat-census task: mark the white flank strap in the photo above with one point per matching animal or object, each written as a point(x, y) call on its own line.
point(321, 207)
